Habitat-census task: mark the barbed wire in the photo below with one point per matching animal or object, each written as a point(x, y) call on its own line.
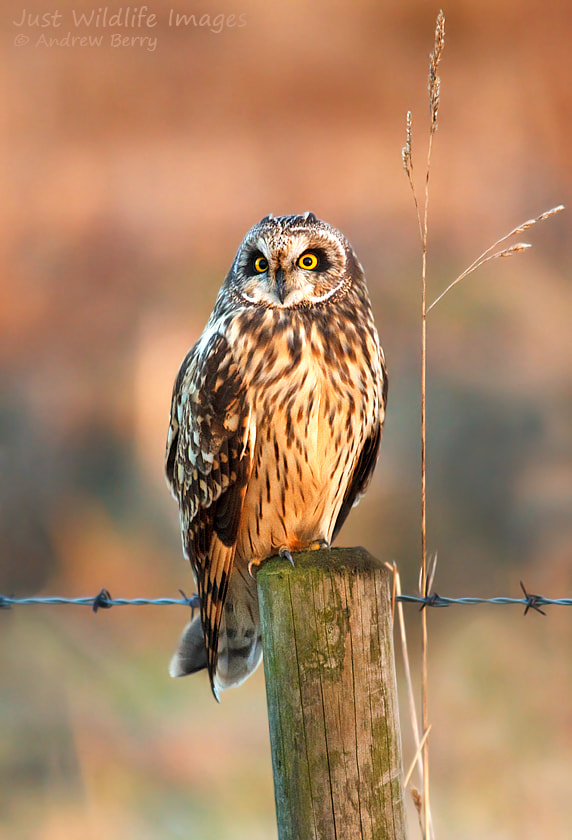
point(104, 600)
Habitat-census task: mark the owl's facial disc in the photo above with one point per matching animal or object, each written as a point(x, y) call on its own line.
point(289, 269)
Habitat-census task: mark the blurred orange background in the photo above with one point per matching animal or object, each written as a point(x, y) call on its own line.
point(130, 176)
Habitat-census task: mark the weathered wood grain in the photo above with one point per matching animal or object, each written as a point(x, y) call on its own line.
point(332, 701)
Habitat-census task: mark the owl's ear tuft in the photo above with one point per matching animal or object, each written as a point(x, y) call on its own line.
point(309, 216)
point(266, 219)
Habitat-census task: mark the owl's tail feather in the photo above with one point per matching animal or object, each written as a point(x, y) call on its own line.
point(239, 641)
point(191, 654)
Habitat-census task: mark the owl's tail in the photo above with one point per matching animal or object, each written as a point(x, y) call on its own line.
point(239, 641)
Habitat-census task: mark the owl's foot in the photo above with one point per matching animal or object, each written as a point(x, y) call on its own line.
point(254, 563)
point(285, 553)
point(316, 545)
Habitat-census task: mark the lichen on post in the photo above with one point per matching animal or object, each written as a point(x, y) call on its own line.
point(332, 699)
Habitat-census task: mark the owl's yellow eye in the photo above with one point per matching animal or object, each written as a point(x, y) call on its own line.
point(309, 261)
point(260, 264)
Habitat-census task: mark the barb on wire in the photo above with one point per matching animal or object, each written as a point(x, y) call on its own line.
point(104, 600)
point(532, 601)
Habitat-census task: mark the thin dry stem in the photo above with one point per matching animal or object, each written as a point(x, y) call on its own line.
point(393, 589)
point(434, 85)
point(434, 101)
point(492, 254)
point(407, 670)
point(418, 802)
point(422, 803)
point(426, 581)
point(416, 759)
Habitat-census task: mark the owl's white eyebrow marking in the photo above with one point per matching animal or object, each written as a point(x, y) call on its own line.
point(260, 243)
point(329, 294)
point(249, 299)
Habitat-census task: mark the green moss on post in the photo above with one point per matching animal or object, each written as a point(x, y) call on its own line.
point(332, 701)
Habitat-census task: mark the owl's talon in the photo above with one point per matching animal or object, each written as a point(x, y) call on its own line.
point(285, 554)
point(318, 544)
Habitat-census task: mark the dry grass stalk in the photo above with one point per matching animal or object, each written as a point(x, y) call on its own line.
point(422, 802)
point(434, 102)
point(407, 159)
point(406, 153)
point(416, 758)
point(492, 254)
point(418, 802)
point(396, 592)
point(434, 61)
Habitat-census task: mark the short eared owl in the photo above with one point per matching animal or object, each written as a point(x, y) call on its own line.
point(275, 428)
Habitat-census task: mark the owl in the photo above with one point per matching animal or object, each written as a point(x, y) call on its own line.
point(275, 427)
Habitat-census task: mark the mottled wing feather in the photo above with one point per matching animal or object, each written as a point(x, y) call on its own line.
point(207, 466)
point(366, 462)
point(360, 478)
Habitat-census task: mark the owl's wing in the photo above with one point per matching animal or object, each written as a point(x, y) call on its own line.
point(367, 460)
point(207, 466)
point(360, 477)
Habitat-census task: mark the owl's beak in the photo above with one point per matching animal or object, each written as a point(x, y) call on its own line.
point(279, 281)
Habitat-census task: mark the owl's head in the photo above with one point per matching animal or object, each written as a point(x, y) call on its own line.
point(290, 262)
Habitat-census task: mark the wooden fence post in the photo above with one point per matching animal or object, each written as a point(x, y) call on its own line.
point(332, 699)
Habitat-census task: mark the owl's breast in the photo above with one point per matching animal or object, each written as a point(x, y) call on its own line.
point(313, 404)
